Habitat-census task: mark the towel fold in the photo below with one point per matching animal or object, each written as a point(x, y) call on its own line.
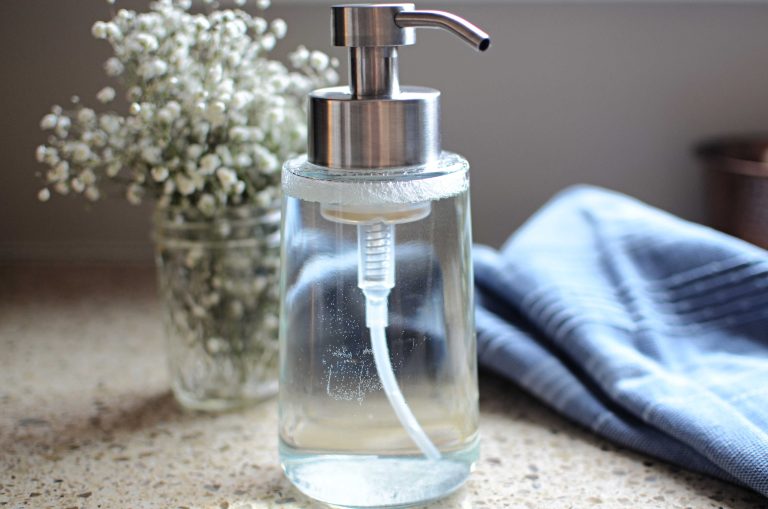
point(649, 330)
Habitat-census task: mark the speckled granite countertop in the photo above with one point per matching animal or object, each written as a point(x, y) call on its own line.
point(87, 421)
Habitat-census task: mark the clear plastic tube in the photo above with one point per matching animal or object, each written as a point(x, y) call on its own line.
point(395, 396)
point(376, 277)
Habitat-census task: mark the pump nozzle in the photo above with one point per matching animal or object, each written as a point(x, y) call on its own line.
point(471, 34)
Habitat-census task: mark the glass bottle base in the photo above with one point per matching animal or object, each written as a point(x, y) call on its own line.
point(348, 480)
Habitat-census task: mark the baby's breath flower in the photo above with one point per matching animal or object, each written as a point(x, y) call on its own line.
point(86, 115)
point(62, 127)
point(263, 4)
point(58, 173)
point(99, 30)
point(80, 152)
point(227, 177)
point(147, 112)
point(160, 173)
point(44, 194)
point(194, 151)
point(236, 28)
point(134, 93)
point(110, 123)
point(112, 31)
point(265, 160)
point(224, 153)
point(113, 169)
point(268, 42)
point(210, 118)
point(260, 25)
point(300, 57)
point(87, 177)
point(215, 113)
point(113, 67)
point(152, 155)
point(279, 28)
point(201, 23)
point(134, 194)
point(185, 185)
point(49, 121)
point(153, 69)
point(207, 204)
point(331, 76)
point(172, 110)
point(51, 156)
point(239, 133)
point(40, 153)
point(318, 60)
point(256, 134)
point(106, 94)
point(243, 160)
point(209, 163)
point(165, 116)
point(241, 99)
point(146, 41)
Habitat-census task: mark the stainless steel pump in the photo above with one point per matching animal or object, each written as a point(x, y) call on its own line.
point(376, 123)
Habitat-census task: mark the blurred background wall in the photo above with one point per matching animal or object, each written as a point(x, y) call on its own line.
point(612, 94)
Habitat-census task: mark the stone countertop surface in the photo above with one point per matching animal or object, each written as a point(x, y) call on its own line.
point(87, 421)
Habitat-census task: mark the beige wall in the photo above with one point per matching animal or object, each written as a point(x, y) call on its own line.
point(611, 94)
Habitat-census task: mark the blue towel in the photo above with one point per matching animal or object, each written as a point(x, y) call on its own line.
point(649, 330)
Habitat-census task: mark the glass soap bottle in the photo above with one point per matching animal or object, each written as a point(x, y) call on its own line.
point(378, 377)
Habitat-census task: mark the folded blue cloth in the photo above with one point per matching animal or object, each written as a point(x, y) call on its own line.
point(649, 330)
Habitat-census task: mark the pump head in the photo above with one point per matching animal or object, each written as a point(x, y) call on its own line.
point(376, 123)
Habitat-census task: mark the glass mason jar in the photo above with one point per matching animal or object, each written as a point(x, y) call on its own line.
point(218, 281)
point(345, 435)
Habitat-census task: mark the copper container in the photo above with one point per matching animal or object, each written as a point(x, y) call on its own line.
point(736, 171)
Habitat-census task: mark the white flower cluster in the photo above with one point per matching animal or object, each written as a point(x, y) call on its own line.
point(210, 117)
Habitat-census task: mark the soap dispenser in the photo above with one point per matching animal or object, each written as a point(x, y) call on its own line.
point(378, 376)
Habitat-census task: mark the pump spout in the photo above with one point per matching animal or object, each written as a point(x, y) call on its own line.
point(470, 33)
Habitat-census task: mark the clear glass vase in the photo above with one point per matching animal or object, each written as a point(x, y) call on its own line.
point(218, 281)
